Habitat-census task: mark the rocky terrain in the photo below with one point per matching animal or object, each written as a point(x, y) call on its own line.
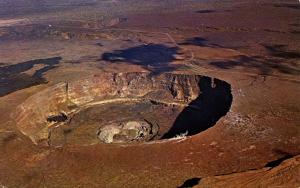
point(58, 104)
point(164, 93)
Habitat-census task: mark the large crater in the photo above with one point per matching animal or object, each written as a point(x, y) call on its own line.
point(123, 108)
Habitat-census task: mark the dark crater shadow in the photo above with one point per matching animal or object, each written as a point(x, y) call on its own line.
point(156, 58)
point(190, 183)
point(13, 77)
point(202, 113)
point(277, 162)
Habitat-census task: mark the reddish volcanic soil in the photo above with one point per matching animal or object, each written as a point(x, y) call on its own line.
point(149, 94)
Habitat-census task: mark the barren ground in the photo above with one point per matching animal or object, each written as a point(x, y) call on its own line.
point(252, 45)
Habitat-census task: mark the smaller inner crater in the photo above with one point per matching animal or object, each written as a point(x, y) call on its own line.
point(127, 132)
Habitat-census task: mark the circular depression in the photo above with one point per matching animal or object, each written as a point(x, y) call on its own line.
point(123, 108)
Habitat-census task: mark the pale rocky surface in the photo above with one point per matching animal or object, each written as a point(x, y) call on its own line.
point(129, 131)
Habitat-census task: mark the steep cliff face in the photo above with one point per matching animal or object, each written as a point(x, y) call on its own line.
point(56, 105)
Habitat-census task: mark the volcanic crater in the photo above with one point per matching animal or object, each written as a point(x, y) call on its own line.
point(123, 108)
